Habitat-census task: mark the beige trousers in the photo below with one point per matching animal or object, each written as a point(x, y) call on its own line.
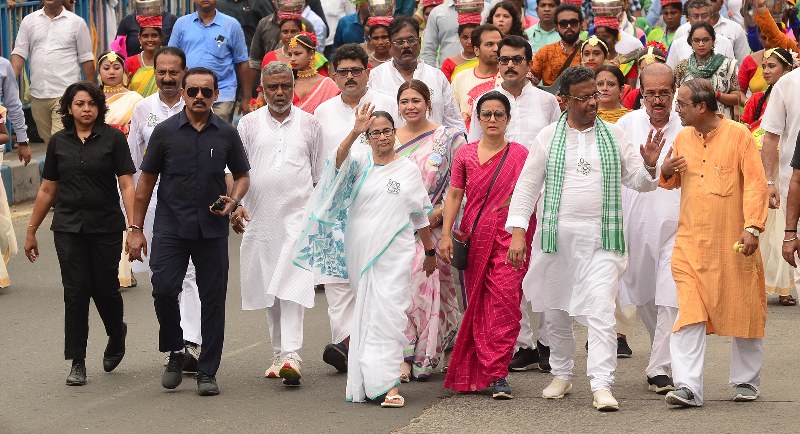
point(45, 114)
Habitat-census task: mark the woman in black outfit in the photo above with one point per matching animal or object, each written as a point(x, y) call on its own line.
point(85, 163)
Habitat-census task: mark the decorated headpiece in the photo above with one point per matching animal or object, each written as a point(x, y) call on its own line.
point(595, 41)
point(149, 21)
point(381, 13)
point(290, 10)
point(296, 40)
point(606, 8)
point(112, 57)
point(578, 3)
point(148, 8)
point(671, 2)
point(427, 3)
point(379, 21)
point(793, 61)
point(610, 22)
point(469, 11)
point(656, 52)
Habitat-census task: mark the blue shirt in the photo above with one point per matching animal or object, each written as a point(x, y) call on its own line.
point(218, 46)
point(191, 165)
point(349, 30)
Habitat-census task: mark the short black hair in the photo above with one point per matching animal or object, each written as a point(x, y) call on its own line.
point(350, 52)
point(175, 51)
point(465, 26)
point(516, 42)
point(494, 95)
point(399, 23)
point(615, 71)
point(567, 7)
point(94, 91)
point(703, 91)
point(574, 75)
point(701, 25)
point(200, 70)
point(475, 38)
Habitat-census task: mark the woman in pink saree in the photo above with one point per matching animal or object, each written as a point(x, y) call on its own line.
point(487, 172)
point(310, 88)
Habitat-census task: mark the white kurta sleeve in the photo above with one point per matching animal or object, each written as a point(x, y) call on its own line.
point(135, 141)
point(317, 148)
point(633, 173)
point(529, 184)
point(451, 113)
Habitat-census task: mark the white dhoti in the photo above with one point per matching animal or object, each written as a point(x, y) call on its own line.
point(8, 239)
point(341, 306)
point(688, 348)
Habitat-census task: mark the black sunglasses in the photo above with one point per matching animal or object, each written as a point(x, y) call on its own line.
point(193, 91)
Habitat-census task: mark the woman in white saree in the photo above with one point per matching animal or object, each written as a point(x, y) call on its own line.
point(379, 201)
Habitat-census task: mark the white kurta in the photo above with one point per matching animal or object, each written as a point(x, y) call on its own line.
point(531, 111)
point(286, 160)
point(147, 113)
point(386, 79)
point(651, 222)
point(580, 277)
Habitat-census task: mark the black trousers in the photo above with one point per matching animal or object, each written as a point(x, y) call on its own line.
point(169, 259)
point(89, 269)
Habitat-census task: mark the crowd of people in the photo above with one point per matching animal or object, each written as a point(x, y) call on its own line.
point(441, 170)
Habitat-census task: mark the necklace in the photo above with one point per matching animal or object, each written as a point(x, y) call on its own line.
point(372, 56)
point(113, 89)
point(465, 57)
point(283, 51)
point(141, 59)
point(307, 73)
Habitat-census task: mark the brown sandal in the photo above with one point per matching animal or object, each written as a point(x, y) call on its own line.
point(787, 300)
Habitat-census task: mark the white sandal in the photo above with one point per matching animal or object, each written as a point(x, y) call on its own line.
point(387, 404)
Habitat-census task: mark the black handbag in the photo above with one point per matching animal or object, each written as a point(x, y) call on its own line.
point(461, 246)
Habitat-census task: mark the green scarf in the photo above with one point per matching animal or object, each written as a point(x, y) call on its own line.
point(611, 226)
point(709, 69)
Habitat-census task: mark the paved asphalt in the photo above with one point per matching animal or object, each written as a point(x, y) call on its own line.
point(33, 397)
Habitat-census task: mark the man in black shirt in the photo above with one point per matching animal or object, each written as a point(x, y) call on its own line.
point(190, 152)
point(248, 13)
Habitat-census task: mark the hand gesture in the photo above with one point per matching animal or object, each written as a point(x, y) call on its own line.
point(31, 247)
point(238, 219)
point(672, 165)
point(652, 149)
point(136, 246)
point(364, 118)
point(749, 243)
point(517, 251)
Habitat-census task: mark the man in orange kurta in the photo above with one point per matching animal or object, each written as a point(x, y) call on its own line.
point(549, 60)
point(720, 287)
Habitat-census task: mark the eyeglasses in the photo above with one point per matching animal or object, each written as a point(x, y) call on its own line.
point(516, 60)
point(565, 24)
point(376, 134)
point(410, 41)
point(701, 40)
point(595, 96)
point(699, 17)
point(356, 71)
point(273, 87)
point(680, 105)
point(193, 91)
point(486, 115)
point(652, 97)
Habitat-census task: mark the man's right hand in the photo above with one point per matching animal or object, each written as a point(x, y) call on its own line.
point(774, 197)
point(136, 245)
point(790, 250)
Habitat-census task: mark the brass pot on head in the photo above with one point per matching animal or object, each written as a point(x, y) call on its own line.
point(291, 5)
point(607, 8)
point(469, 6)
point(381, 8)
point(148, 8)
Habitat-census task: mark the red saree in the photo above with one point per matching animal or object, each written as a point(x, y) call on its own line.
point(489, 328)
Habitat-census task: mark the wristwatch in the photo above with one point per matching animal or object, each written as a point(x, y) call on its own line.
point(430, 253)
point(22, 144)
point(770, 182)
point(755, 232)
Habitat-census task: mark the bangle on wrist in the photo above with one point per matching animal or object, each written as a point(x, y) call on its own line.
point(22, 144)
point(790, 240)
point(770, 182)
point(790, 230)
point(33, 226)
point(649, 167)
point(132, 227)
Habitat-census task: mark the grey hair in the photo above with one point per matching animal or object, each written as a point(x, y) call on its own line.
point(659, 69)
point(702, 91)
point(574, 75)
point(696, 4)
point(276, 67)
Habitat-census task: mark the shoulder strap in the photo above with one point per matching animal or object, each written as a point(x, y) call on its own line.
point(554, 87)
point(494, 177)
point(569, 60)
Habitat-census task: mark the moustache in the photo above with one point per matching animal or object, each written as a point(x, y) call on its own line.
point(351, 81)
point(510, 71)
point(407, 51)
point(199, 104)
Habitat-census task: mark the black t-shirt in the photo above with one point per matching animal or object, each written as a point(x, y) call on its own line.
point(191, 165)
point(248, 13)
point(88, 196)
point(129, 27)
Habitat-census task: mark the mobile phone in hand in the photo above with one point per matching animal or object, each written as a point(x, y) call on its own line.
point(219, 205)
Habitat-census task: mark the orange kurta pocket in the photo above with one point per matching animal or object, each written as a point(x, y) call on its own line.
point(722, 181)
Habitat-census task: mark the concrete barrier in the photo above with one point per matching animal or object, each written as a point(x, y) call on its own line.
point(21, 182)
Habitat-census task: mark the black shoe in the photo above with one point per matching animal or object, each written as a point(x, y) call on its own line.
point(544, 357)
point(192, 356)
point(623, 350)
point(172, 374)
point(660, 384)
point(501, 389)
point(336, 356)
point(291, 382)
point(115, 350)
point(77, 375)
point(206, 385)
point(524, 359)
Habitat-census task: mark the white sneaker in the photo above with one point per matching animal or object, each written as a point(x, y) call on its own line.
point(290, 371)
point(605, 401)
point(273, 371)
point(557, 389)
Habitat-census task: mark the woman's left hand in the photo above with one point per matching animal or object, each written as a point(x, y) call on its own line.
point(429, 265)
